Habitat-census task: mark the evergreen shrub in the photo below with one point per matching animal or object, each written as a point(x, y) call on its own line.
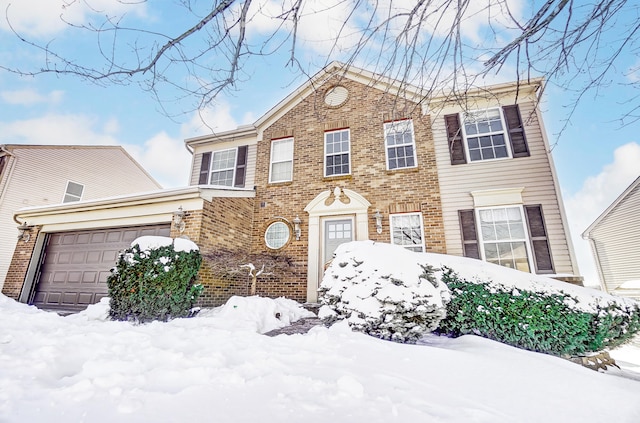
point(154, 284)
point(538, 321)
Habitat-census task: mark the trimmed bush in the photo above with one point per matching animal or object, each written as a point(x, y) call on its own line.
point(155, 283)
point(545, 322)
point(398, 300)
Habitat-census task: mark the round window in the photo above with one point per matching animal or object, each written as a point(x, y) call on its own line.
point(277, 235)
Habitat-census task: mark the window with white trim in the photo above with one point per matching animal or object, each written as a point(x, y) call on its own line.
point(503, 237)
point(73, 192)
point(485, 135)
point(400, 145)
point(337, 153)
point(281, 169)
point(277, 235)
point(407, 231)
point(223, 166)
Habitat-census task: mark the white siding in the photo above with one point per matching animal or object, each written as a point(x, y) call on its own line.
point(533, 173)
point(38, 176)
point(617, 238)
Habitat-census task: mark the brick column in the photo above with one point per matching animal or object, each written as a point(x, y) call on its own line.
point(19, 265)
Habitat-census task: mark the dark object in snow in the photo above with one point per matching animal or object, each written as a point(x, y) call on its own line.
point(300, 326)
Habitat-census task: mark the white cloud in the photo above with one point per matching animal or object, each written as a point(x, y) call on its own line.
point(216, 118)
point(29, 97)
point(165, 158)
point(597, 193)
point(52, 129)
point(44, 18)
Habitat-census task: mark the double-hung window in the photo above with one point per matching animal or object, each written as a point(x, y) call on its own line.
point(494, 133)
point(504, 238)
point(485, 135)
point(281, 169)
point(224, 167)
point(400, 144)
point(337, 153)
point(407, 231)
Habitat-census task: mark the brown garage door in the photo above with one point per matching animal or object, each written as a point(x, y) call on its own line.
point(75, 265)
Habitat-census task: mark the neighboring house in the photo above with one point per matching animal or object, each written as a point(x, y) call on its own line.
point(36, 175)
point(351, 155)
point(614, 238)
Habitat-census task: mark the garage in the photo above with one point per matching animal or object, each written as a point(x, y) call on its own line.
point(75, 265)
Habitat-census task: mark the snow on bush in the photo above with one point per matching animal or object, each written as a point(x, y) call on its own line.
point(154, 279)
point(383, 290)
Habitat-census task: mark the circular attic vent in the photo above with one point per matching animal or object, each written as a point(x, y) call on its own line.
point(336, 96)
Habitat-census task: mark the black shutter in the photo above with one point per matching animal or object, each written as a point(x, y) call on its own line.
point(539, 240)
point(204, 169)
point(241, 166)
point(454, 135)
point(469, 234)
point(519, 146)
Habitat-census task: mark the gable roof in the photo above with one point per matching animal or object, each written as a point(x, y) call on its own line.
point(586, 234)
point(10, 147)
point(373, 80)
point(309, 87)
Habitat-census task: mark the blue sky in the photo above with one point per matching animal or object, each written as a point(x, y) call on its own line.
point(596, 157)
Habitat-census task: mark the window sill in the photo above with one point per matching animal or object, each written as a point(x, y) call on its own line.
point(403, 170)
point(337, 178)
point(280, 184)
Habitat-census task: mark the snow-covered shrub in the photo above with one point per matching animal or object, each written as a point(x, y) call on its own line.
point(554, 321)
point(154, 280)
point(382, 290)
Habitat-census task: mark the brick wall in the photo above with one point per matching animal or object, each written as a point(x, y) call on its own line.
point(224, 223)
point(19, 265)
point(364, 113)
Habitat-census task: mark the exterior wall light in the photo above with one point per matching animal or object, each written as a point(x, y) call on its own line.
point(296, 227)
point(178, 219)
point(25, 232)
point(378, 217)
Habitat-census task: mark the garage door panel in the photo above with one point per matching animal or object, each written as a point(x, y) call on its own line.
point(62, 258)
point(69, 239)
point(94, 257)
point(79, 257)
point(89, 277)
point(114, 236)
point(74, 275)
point(86, 298)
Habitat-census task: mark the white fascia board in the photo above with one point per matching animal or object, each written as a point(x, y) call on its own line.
point(130, 209)
point(234, 136)
point(510, 91)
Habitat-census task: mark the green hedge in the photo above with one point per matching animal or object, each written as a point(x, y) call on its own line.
point(536, 321)
point(154, 285)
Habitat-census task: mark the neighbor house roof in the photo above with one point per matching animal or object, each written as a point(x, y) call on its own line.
point(586, 234)
point(9, 147)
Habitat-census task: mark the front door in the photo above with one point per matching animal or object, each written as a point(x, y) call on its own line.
point(336, 232)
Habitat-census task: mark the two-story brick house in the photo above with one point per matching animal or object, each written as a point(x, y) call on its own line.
point(350, 156)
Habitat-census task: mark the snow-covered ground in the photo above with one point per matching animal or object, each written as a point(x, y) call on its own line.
point(218, 367)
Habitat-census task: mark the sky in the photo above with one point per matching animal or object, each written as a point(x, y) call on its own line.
point(218, 366)
point(596, 156)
